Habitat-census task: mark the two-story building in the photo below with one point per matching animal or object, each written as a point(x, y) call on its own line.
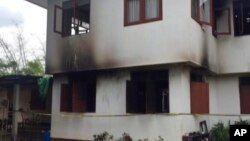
point(146, 67)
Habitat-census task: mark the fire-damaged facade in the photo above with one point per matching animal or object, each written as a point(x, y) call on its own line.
point(146, 67)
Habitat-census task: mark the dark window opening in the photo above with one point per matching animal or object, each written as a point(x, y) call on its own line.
point(79, 95)
point(221, 18)
point(201, 11)
point(241, 11)
point(199, 91)
point(244, 88)
point(36, 102)
point(73, 18)
point(147, 92)
point(197, 76)
point(142, 11)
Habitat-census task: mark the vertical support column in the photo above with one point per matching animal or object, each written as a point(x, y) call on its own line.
point(179, 89)
point(15, 113)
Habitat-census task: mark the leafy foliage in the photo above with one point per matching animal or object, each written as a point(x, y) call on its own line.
point(219, 132)
point(14, 58)
point(242, 122)
point(105, 136)
point(34, 67)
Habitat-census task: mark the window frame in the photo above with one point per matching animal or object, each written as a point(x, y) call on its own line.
point(142, 17)
point(242, 27)
point(228, 21)
point(197, 19)
point(72, 98)
point(142, 99)
point(63, 11)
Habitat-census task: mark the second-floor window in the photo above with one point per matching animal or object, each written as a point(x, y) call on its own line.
point(142, 11)
point(241, 17)
point(73, 18)
point(201, 11)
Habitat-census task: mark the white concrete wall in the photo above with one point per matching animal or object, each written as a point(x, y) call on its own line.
point(111, 114)
point(233, 51)
point(179, 90)
point(176, 38)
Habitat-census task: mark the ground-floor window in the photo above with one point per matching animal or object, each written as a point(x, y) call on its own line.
point(79, 94)
point(199, 93)
point(148, 92)
point(244, 87)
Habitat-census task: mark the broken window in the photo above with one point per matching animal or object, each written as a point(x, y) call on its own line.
point(141, 11)
point(73, 18)
point(244, 87)
point(147, 92)
point(241, 11)
point(199, 91)
point(201, 11)
point(79, 95)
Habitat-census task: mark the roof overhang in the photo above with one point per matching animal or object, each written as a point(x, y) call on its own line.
point(42, 3)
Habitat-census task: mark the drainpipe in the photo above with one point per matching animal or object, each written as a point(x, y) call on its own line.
point(15, 111)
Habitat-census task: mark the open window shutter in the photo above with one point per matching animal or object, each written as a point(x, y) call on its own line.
point(205, 8)
point(78, 97)
point(58, 17)
point(244, 99)
point(199, 97)
point(66, 98)
point(222, 21)
point(195, 9)
point(131, 98)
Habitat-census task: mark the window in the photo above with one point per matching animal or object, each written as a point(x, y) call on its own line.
point(79, 94)
point(241, 11)
point(244, 88)
point(142, 11)
point(199, 91)
point(201, 11)
point(147, 92)
point(222, 20)
point(73, 18)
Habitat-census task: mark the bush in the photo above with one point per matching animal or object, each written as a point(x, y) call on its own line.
point(219, 132)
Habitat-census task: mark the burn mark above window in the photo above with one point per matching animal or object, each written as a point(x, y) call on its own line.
point(241, 11)
point(73, 18)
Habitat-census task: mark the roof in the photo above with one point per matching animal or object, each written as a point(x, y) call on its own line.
point(18, 79)
point(41, 3)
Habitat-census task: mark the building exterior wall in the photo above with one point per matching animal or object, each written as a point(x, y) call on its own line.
point(110, 44)
point(233, 51)
point(177, 38)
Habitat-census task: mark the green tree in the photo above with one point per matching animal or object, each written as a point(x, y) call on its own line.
point(13, 59)
point(34, 67)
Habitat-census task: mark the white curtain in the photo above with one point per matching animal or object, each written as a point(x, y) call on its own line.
point(152, 8)
point(133, 10)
